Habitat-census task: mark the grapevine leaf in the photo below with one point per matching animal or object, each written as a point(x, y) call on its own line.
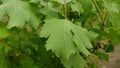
point(113, 6)
point(34, 1)
point(27, 63)
point(115, 19)
point(102, 55)
point(3, 60)
point(60, 40)
point(81, 6)
point(81, 39)
point(79, 62)
point(114, 36)
point(2, 12)
point(76, 7)
point(3, 32)
point(92, 35)
point(109, 48)
point(50, 12)
point(87, 5)
point(61, 1)
point(75, 61)
point(19, 13)
point(63, 37)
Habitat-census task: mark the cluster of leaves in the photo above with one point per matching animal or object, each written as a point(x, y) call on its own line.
point(57, 33)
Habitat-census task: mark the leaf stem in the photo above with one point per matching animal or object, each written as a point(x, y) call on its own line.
point(106, 18)
point(4, 42)
point(92, 23)
point(98, 9)
point(65, 9)
point(19, 41)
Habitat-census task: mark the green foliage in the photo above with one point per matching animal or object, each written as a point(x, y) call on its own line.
point(70, 38)
point(3, 31)
point(75, 61)
point(20, 11)
point(57, 33)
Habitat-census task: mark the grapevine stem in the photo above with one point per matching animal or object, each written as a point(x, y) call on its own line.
point(93, 22)
point(98, 9)
point(106, 18)
point(4, 42)
point(19, 41)
point(46, 3)
point(65, 9)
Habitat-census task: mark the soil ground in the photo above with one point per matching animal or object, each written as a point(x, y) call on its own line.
point(114, 56)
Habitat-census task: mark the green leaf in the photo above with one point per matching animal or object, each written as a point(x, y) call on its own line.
point(34, 1)
point(81, 39)
point(3, 32)
point(75, 61)
point(76, 7)
point(109, 48)
point(60, 37)
point(50, 12)
point(2, 58)
point(3, 51)
point(102, 55)
point(113, 5)
point(64, 38)
point(79, 62)
point(61, 1)
point(19, 13)
point(114, 36)
point(87, 5)
point(115, 19)
point(92, 35)
point(27, 63)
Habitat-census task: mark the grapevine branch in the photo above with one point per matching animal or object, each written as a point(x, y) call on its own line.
point(106, 18)
point(46, 3)
point(98, 9)
point(19, 41)
point(4, 42)
point(93, 22)
point(65, 9)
